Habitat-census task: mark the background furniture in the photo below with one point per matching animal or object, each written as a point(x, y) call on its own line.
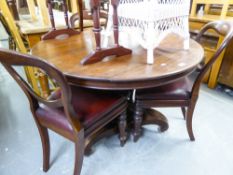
point(37, 23)
point(73, 112)
point(34, 77)
point(212, 41)
point(116, 49)
point(226, 72)
point(184, 92)
point(60, 33)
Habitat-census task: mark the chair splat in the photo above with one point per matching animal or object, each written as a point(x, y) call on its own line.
point(55, 33)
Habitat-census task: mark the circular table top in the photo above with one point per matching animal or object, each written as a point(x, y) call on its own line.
point(120, 73)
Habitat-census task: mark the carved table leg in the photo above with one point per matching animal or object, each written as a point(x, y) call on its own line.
point(137, 123)
point(107, 131)
point(140, 117)
point(122, 128)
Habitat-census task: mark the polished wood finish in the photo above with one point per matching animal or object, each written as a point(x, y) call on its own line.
point(75, 128)
point(188, 99)
point(99, 53)
point(121, 73)
point(59, 33)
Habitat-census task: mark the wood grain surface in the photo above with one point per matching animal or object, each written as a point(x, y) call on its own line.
point(125, 72)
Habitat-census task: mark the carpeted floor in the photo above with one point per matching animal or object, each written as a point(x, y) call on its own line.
point(155, 153)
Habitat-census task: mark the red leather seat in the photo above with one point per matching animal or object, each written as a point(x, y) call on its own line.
point(178, 90)
point(88, 105)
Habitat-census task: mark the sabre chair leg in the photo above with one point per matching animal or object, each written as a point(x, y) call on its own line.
point(137, 123)
point(184, 112)
point(189, 118)
point(79, 152)
point(122, 128)
point(45, 145)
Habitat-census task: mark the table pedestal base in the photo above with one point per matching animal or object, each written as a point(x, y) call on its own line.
point(109, 130)
point(150, 116)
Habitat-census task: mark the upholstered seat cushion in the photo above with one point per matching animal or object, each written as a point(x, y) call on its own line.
point(90, 106)
point(178, 90)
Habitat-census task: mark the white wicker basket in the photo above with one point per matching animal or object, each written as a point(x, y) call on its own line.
point(150, 21)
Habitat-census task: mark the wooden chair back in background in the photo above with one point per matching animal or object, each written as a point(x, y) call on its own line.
point(34, 76)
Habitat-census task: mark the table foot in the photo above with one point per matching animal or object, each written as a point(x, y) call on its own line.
point(99, 55)
point(151, 116)
point(107, 131)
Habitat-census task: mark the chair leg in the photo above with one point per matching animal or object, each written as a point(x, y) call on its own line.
point(184, 112)
point(45, 145)
point(79, 152)
point(137, 123)
point(122, 128)
point(189, 118)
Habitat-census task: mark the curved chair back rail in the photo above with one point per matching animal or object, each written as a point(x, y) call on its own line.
point(224, 28)
point(184, 92)
point(76, 113)
point(19, 43)
point(9, 59)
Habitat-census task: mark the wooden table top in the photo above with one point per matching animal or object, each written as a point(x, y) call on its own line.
point(125, 72)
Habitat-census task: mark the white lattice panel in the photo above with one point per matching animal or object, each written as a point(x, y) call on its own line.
point(150, 21)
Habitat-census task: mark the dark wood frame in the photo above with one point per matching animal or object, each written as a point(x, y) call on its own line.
point(80, 135)
point(100, 53)
point(187, 105)
point(61, 33)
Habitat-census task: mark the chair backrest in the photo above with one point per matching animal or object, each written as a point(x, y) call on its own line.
point(11, 58)
point(223, 28)
point(12, 26)
point(13, 8)
point(59, 33)
point(10, 37)
point(14, 32)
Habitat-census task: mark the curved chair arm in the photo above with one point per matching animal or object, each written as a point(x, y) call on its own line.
point(221, 27)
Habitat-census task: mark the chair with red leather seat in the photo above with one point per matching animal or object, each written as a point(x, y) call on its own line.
point(73, 112)
point(184, 92)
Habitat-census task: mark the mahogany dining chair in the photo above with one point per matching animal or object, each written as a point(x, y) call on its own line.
point(73, 112)
point(184, 92)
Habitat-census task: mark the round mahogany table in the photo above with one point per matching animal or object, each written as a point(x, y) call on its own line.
point(119, 73)
point(128, 72)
